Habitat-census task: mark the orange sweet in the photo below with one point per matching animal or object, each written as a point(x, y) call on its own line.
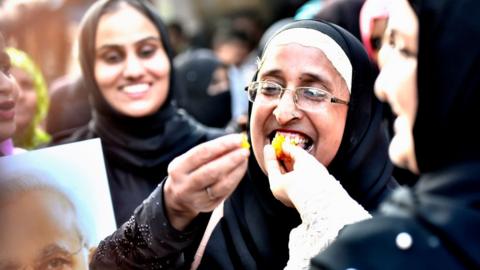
point(277, 143)
point(245, 143)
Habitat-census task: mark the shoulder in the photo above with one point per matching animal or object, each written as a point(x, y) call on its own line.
point(72, 135)
point(385, 243)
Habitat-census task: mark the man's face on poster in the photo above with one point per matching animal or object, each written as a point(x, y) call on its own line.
point(39, 230)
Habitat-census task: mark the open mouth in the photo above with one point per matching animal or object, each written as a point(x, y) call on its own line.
point(296, 138)
point(136, 88)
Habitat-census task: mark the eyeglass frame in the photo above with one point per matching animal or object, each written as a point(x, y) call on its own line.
point(330, 97)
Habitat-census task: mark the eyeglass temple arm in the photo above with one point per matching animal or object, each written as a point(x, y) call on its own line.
point(337, 100)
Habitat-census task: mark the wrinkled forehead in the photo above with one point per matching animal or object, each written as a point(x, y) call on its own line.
point(316, 39)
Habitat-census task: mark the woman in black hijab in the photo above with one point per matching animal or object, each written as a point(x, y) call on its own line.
point(132, 112)
point(435, 224)
point(253, 225)
point(204, 90)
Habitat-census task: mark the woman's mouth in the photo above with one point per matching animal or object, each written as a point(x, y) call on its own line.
point(136, 90)
point(296, 138)
point(7, 110)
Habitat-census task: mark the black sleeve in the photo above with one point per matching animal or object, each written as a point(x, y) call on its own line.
point(148, 241)
point(393, 243)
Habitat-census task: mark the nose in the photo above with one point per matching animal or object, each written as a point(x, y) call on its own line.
point(5, 84)
point(381, 83)
point(379, 87)
point(286, 109)
point(133, 67)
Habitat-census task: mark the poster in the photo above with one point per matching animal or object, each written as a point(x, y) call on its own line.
point(55, 206)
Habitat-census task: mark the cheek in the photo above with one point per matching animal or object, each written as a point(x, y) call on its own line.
point(158, 66)
point(330, 128)
point(407, 94)
point(258, 120)
point(106, 75)
point(31, 98)
point(159, 69)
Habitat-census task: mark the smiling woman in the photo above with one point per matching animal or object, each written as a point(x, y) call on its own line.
point(127, 69)
point(131, 66)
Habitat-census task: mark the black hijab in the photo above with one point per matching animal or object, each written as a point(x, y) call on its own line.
point(448, 83)
point(447, 143)
point(195, 71)
point(255, 229)
point(137, 142)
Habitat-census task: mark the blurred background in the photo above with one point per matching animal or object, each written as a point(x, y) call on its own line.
point(46, 29)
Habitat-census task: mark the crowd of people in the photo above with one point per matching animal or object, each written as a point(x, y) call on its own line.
point(375, 102)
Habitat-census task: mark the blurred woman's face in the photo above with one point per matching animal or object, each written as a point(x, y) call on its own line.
point(397, 81)
point(132, 69)
point(220, 82)
point(27, 103)
point(8, 96)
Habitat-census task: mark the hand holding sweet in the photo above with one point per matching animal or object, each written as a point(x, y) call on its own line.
point(203, 177)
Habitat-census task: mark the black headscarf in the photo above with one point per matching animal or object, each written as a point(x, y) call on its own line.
point(448, 83)
point(255, 229)
point(137, 149)
point(447, 144)
point(195, 71)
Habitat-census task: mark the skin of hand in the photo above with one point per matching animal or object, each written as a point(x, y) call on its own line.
point(219, 164)
point(304, 180)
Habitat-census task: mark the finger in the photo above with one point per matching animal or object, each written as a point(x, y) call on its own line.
point(212, 172)
point(298, 155)
point(205, 152)
point(302, 160)
point(271, 163)
point(224, 187)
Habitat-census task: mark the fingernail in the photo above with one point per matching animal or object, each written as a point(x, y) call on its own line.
point(245, 152)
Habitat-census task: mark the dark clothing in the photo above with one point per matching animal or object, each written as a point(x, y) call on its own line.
point(444, 230)
point(136, 244)
point(441, 213)
point(135, 165)
point(254, 230)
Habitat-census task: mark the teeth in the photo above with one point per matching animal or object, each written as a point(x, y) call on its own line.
point(295, 138)
point(136, 88)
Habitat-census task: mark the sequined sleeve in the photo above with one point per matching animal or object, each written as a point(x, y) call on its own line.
point(148, 241)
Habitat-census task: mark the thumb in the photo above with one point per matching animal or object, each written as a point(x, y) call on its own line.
point(271, 163)
point(297, 154)
point(302, 160)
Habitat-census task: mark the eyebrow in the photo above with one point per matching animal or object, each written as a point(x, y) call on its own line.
point(304, 77)
point(109, 45)
point(54, 248)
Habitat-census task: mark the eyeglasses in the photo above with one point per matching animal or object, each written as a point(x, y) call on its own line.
point(306, 98)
